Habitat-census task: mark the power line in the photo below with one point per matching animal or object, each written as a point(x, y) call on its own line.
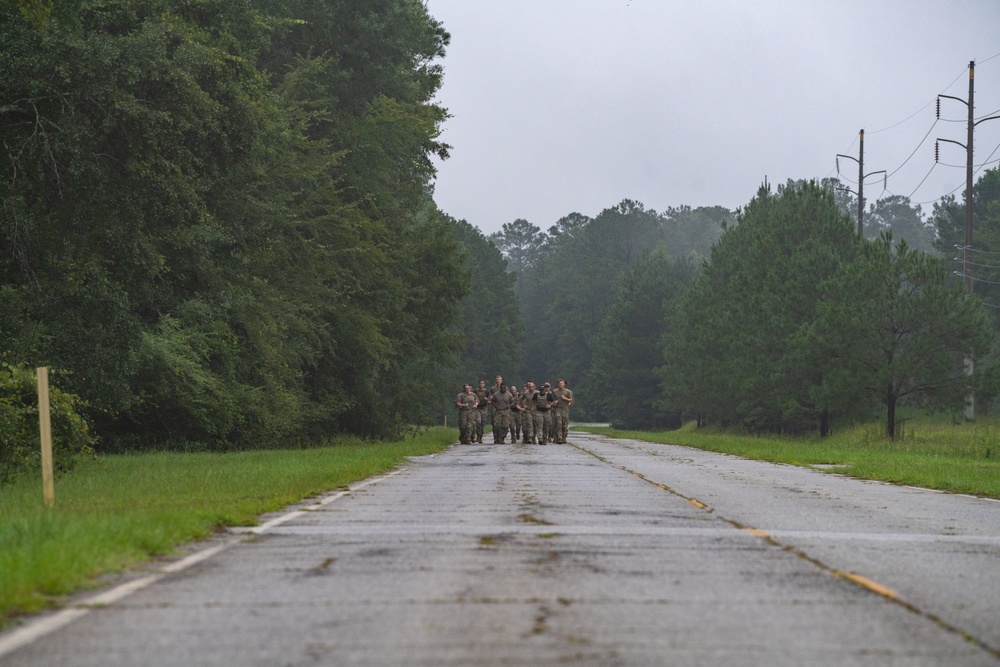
point(962, 166)
point(995, 55)
point(895, 125)
point(915, 149)
point(982, 266)
point(922, 181)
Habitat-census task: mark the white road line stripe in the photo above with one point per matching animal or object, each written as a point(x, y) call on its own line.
point(39, 628)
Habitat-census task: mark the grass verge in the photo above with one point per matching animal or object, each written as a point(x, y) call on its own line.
point(935, 454)
point(116, 512)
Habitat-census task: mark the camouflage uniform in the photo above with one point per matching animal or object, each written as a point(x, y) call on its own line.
point(515, 416)
point(527, 400)
point(466, 416)
point(492, 412)
point(482, 395)
point(502, 400)
point(542, 416)
point(560, 415)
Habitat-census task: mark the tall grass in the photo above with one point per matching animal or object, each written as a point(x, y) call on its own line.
point(115, 512)
point(933, 453)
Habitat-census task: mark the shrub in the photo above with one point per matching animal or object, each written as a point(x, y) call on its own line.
point(20, 451)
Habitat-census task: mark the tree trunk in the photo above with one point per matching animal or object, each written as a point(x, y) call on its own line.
point(824, 424)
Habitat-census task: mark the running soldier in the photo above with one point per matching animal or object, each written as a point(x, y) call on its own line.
point(482, 395)
point(543, 418)
point(466, 403)
point(502, 401)
point(515, 414)
point(560, 412)
point(494, 389)
point(527, 399)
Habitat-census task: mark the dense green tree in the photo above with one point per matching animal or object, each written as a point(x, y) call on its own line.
point(628, 349)
point(520, 243)
point(730, 358)
point(217, 214)
point(904, 220)
point(566, 279)
point(489, 326)
point(894, 330)
point(125, 141)
point(948, 216)
point(575, 285)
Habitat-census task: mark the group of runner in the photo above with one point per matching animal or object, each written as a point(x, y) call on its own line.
point(533, 415)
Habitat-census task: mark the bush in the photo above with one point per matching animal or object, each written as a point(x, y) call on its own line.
point(20, 450)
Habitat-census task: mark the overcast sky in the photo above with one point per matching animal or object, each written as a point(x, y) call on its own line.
point(573, 105)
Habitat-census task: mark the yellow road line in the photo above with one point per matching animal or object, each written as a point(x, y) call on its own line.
point(864, 582)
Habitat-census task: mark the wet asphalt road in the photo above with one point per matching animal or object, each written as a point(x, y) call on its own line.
point(602, 552)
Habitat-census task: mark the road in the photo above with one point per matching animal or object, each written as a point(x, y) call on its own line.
point(602, 552)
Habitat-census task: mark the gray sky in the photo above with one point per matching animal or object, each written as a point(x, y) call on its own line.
point(564, 106)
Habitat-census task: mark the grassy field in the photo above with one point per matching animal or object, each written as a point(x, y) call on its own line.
point(936, 454)
point(116, 512)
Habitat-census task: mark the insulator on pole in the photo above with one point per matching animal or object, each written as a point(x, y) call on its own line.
point(838, 166)
point(939, 107)
point(936, 147)
point(885, 181)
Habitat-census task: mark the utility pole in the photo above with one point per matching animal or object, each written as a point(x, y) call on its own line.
point(970, 403)
point(861, 181)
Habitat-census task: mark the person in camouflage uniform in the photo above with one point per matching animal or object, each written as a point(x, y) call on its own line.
point(494, 389)
point(527, 401)
point(466, 403)
point(560, 412)
point(502, 400)
point(543, 414)
point(482, 395)
point(515, 413)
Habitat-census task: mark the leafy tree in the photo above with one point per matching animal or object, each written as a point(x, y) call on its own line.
point(694, 230)
point(573, 287)
point(894, 330)
point(232, 198)
point(628, 350)
point(19, 440)
point(520, 242)
point(730, 357)
point(948, 215)
point(489, 330)
point(897, 215)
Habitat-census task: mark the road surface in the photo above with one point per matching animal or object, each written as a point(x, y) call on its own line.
point(601, 552)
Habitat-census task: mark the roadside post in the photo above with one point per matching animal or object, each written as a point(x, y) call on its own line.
point(45, 430)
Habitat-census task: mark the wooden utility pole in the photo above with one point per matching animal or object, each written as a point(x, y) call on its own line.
point(45, 430)
point(861, 183)
point(970, 403)
point(861, 180)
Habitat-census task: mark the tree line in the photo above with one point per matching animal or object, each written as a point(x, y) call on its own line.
point(218, 228)
point(217, 220)
point(776, 317)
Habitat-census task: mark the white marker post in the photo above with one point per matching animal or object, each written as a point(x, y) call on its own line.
point(45, 429)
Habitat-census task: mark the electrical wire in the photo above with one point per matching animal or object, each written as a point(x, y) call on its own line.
point(995, 55)
point(984, 281)
point(976, 264)
point(987, 115)
point(915, 149)
point(984, 252)
point(987, 160)
point(963, 166)
point(891, 127)
point(922, 181)
point(895, 125)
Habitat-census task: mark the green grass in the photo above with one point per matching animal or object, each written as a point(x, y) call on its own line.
point(932, 453)
point(116, 512)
